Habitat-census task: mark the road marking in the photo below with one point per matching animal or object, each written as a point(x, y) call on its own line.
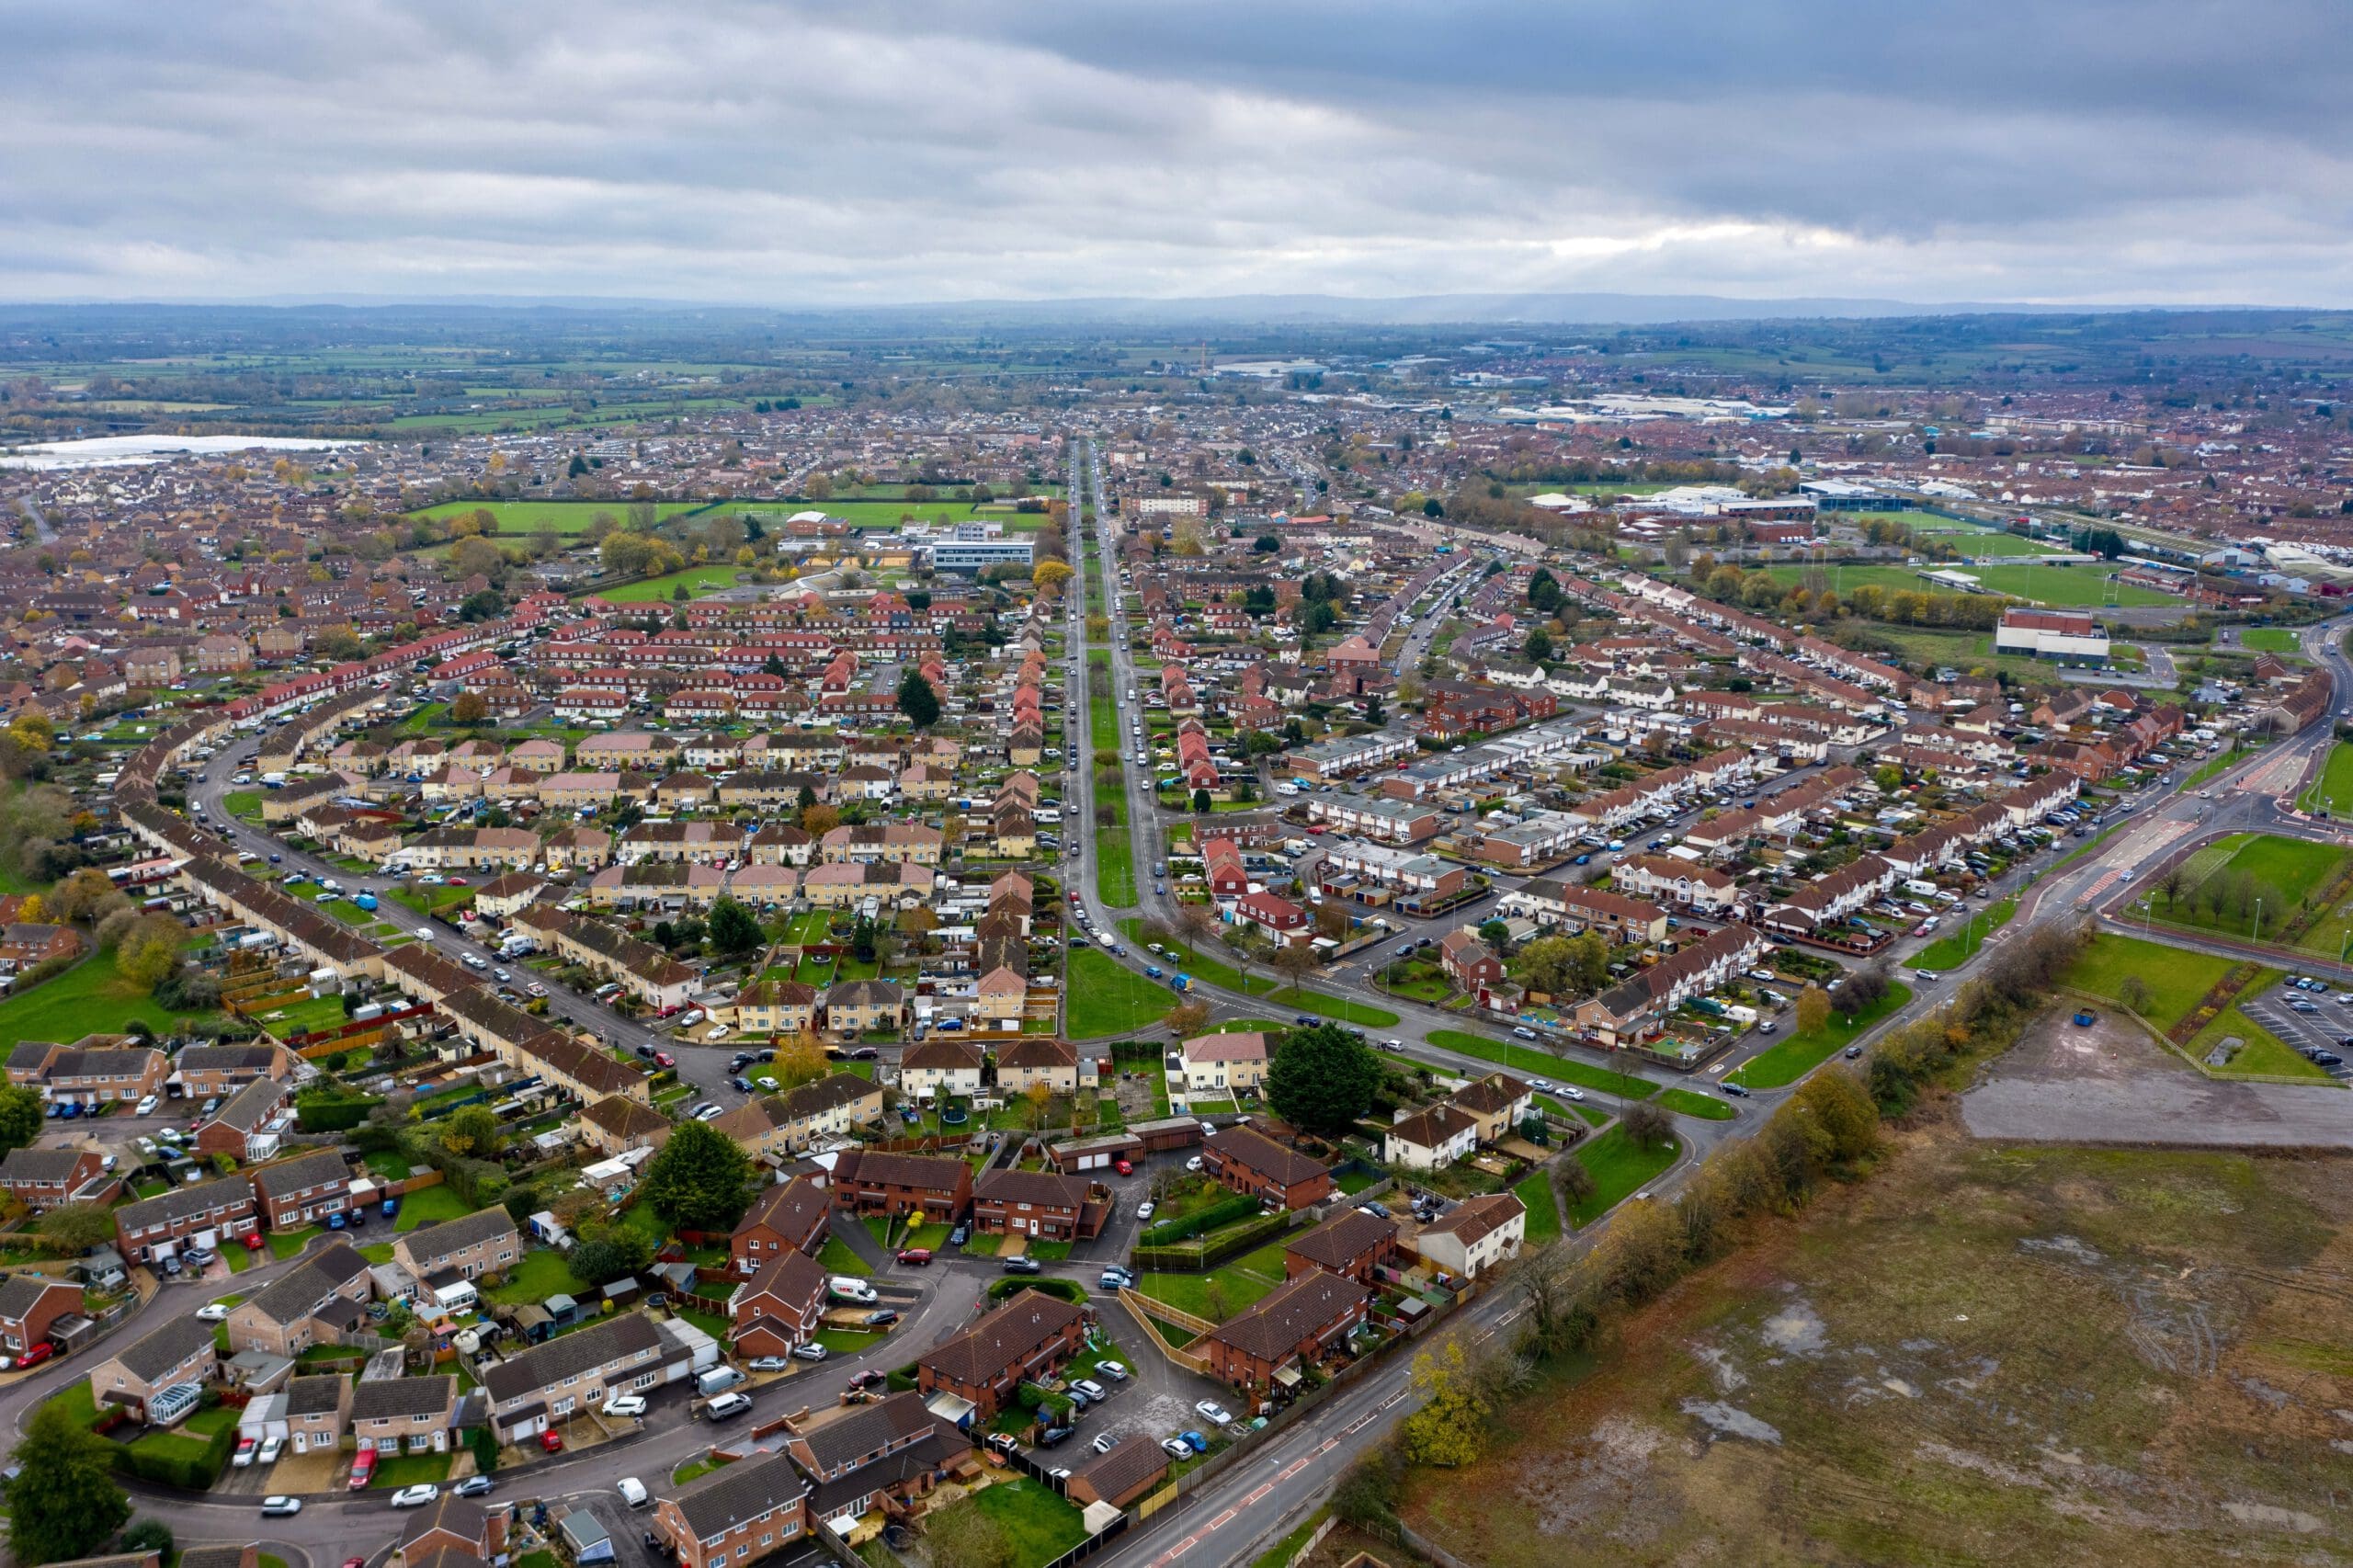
point(1257, 1496)
point(1221, 1520)
point(1296, 1466)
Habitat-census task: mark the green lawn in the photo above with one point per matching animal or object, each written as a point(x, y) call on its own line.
point(2271, 640)
point(1039, 1526)
point(1620, 1170)
point(2064, 586)
point(1115, 861)
point(1528, 1062)
point(2333, 790)
point(694, 579)
point(92, 997)
point(2175, 977)
point(1107, 998)
point(1794, 1057)
point(1959, 946)
point(242, 803)
point(397, 1471)
point(838, 1258)
point(2215, 764)
point(1242, 1283)
point(286, 1243)
point(848, 1341)
point(540, 1273)
point(429, 1207)
point(1216, 972)
point(1687, 1102)
point(1535, 1191)
point(2276, 874)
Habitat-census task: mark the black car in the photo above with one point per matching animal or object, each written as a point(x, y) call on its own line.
point(1854, 1053)
point(1735, 1090)
point(739, 1085)
point(1022, 1265)
point(1054, 1436)
point(645, 1052)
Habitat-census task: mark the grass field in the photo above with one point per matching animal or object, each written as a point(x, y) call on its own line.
point(1793, 1058)
point(1240, 1284)
point(2065, 586)
point(1535, 1192)
point(1958, 947)
point(1964, 651)
point(1621, 1168)
point(1528, 1062)
point(694, 579)
point(1038, 1525)
point(1107, 998)
point(570, 519)
point(1976, 541)
point(1689, 1102)
point(2271, 639)
point(432, 1204)
point(887, 514)
point(2175, 977)
point(2278, 875)
point(1115, 857)
point(1982, 1355)
point(1217, 971)
point(2261, 1053)
point(2333, 790)
point(92, 997)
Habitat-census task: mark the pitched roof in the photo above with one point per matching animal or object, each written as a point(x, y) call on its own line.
point(544, 1365)
point(886, 1169)
point(732, 1494)
point(983, 1352)
point(1475, 1219)
point(157, 1352)
point(309, 1170)
point(399, 1398)
point(1341, 1240)
point(1248, 1147)
point(429, 1242)
point(22, 1292)
point(1293, 1314)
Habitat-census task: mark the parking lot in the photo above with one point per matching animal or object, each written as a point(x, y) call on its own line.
point(2327, 1025)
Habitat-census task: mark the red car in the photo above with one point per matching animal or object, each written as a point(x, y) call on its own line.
point(1125, 1168)
point(453, 882)
point(553, 1441)
point(363, 1469)
point(914, 1255)
point(664, 1058)
point(36, 1356)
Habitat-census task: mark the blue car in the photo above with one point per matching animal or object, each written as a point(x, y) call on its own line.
point(1584, 860)
point(336, 1222)
point(72, 1110)
point(1198, 1443)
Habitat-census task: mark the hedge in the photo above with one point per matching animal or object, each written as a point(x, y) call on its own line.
point(1241, 1206)
point(1012, 1284)
point(329, 1114)
point(188, 1474)
point(1209, 1254)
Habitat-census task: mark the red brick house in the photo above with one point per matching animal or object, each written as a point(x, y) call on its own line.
point(1279, 919)
point(790, 1218)
point(29, 1304)
point(1031, 1337)
point(866, 1181)
point(778, 1308)
point(1469, 962)
point(43, 1179)
point(1351, 1244)
point(303, 1190)
point(1249, 1161)
point(1040, 1204)
point(1301, 1322)
point(753, 1508)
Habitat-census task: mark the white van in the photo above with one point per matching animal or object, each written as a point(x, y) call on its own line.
point(717, 1379)
point(849, 1288)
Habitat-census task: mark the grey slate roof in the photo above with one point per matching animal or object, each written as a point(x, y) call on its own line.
point(732, 1494)
point(399, 1398)
point(155, 1353)
point(545, 1366)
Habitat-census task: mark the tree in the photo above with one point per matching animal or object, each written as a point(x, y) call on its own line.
point(469, 709)
point(1034, 1101)
point(733, 928)
point(149, 951)
point(1573, 1179)
point(917, 700)
point(800, 1058)
point(1813, 1010)
point(606, 1253)
point(20, 1115)
point(698, 1181)
point(473, 1130)
point(1322, 1079)
point(148, 1535)
point(819, 820)
point(1644, 1124)
point(1187, 1020)
point(2134, 994)
point(1451, 1429)
point(1050, 576)
point(77, 1227)
point(1202, 801)
point(1296, 961)
point(1194, 922)
point(1539, 646)
point(64, 1500)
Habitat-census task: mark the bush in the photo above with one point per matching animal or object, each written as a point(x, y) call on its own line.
point(330, 1112)
point(1209, 1254)
point(1013, 1284)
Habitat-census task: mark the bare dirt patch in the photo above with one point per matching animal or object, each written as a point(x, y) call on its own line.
point(1982, 1355)
point(2111, 1084)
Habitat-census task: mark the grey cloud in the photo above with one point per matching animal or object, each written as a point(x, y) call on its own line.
point(816, 152)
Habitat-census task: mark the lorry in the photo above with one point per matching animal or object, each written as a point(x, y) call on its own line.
point(1181, 982)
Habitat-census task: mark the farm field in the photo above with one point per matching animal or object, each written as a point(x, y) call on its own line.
point(2066, 587)
point(570, 519)
point(1980, 1355)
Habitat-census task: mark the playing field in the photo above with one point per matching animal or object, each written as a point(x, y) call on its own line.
point(2176, 978)
point(2066, 587)
point(2265, 880)
point(570, 519)
point(1974, 542)
point(889, 514)
point(2333, 790)
point(2271, 639)
point(694, 579)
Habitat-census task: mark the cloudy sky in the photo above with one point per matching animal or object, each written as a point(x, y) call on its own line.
point(812, 154)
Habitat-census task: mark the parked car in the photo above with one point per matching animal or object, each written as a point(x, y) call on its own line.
point(1022, 1265)
point(1091, 1389)
point(1176, 1447)
point(633, 1491)
point(625, 1404)
point(1145, 1209)
point(1111, 1369)
point(1213, 1413)
point(1054, 1436)
point(243, 1456)
point(278, 1507)
point(552, 1441)
point(216, 1311)
point(769, 1363)
point(810, 1352)
point(415, 1497)
point(270, 1449)
point(472, 1487)
point(914, 1256)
